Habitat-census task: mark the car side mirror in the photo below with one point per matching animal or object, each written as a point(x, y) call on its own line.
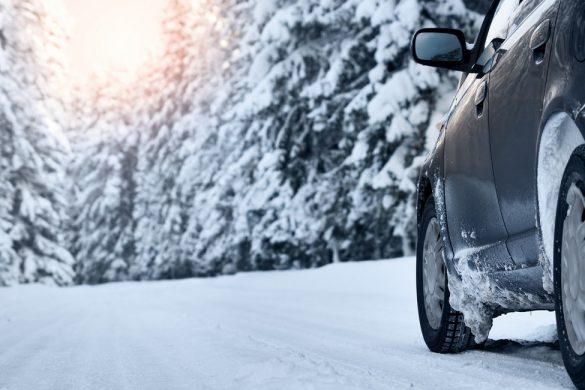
point(441, 48)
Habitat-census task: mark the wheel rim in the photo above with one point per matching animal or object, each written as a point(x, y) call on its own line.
point(572, 274)
point(433, 274)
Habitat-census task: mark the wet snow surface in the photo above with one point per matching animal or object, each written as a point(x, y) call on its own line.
point(346, 326)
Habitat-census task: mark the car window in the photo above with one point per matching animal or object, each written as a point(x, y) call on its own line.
point(501, 20)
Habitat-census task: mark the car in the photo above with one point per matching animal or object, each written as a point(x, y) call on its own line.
point(501, 198)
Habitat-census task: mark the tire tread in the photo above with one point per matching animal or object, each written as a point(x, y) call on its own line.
point(453, 336)
point(458, 337)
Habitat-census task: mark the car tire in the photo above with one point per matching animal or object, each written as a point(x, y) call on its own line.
point(443, 328)
point(567, 287)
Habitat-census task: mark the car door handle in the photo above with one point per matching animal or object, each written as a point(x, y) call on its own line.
point(481, 93)
point(538, 41)
point(480, 96)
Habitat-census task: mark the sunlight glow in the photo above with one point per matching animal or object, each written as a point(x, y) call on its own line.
point(123, 45)
point(113, 35)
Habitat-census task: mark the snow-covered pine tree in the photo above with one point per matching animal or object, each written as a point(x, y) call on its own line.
point(102, 173)
point(277, 134)
point(185, 81)
point(157, 222)
point(479, 6)
point(32, 148)
point(315, 148)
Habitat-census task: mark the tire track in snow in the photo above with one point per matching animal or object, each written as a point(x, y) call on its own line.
point(350, 326)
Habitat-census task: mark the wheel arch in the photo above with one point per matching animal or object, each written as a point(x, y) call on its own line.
point(559, 140)
point(425, 192)
point(431, 184)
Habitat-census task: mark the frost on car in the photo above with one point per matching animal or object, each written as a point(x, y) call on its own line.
point(501, 198)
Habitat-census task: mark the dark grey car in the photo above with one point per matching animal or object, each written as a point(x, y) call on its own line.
point(501, 205)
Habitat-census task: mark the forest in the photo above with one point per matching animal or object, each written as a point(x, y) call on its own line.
point(267, 135)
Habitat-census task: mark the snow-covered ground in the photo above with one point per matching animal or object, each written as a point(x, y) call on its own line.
point(346, 326)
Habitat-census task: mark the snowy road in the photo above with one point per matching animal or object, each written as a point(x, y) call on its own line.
point(349, 326)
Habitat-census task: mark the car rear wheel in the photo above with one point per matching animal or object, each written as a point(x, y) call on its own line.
point(443, 328)
point(569, 270)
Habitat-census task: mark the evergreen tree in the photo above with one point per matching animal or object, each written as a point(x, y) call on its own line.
point(102, 171)
point(184, 82)
point(314, 152)
point(33, 149)
point(272, 134)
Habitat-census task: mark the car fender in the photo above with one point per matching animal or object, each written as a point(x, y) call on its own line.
point(431, 183)
point(559, 138)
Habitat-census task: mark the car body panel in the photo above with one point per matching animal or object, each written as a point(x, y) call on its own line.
point(516, 91)
point(471, 202)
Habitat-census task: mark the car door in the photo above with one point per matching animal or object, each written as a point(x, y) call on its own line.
point(517, 82)
point(474, 219)
point(473, 214)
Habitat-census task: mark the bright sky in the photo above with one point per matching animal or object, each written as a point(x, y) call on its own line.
point(113, 34)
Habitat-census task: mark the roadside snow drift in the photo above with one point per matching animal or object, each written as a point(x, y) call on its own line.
point(346, 326)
